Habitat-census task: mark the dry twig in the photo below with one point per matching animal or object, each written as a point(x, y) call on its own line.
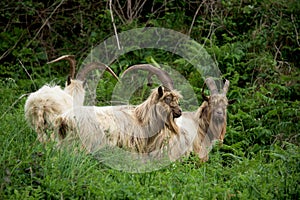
point(114, 25)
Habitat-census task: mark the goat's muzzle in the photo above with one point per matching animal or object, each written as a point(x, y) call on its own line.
point(176, 112)
point(218, 117)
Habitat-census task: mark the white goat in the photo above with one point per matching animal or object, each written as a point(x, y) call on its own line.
point(44, 105)
point(130, 127)
point(199, 129)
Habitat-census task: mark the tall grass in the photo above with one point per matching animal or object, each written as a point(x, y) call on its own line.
point(256, 46)
point(31, 170)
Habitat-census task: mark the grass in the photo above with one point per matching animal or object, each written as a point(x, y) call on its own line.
point(260, 157)
point(30, 170)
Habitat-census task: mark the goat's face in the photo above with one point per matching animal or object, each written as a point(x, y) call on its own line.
point(170, 100)
point(173, 101)
point(218, 105)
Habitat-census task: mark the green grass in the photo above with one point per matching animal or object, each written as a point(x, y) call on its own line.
point(30, 170)
point(256, 46)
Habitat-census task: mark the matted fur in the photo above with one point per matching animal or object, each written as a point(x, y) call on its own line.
point(43, 106)
point(198, 130)
point(76, 90)
point(129, 127)
point(212, 121)
point(142, 111)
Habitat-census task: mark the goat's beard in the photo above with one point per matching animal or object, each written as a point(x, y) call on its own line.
point(218, 120)
point(171, 124)
point(214, 130)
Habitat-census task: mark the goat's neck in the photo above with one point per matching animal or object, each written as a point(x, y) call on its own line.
point(202, 117)
point(155, 121)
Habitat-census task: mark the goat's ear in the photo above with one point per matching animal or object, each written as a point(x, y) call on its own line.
point(160, 92)
point(205, 98)
point(69, 80)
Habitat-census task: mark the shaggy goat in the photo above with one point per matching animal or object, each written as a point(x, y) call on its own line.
point(44, 105)
point(199, 130)
point(129, 127)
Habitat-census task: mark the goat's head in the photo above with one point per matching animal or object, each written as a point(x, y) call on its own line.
point(169, 99)
point(166, 95)
point(216, 108)
point(163, 106)
point(75, 87)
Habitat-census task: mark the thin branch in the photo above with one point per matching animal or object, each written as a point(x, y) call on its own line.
point(10, 107)
point(113, 22)
point(121, 16)
point(163, 6)
point(277, 51)
point(297, 35)
point(11, 48)
point(138, 7)
point(129, 10)
point(194, 18)
point(27, 74)
point(209, 33)
point(46, 22)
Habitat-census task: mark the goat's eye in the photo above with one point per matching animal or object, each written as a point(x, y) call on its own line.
point(168, 100)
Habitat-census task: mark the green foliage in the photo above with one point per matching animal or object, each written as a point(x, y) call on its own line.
point(255, 45)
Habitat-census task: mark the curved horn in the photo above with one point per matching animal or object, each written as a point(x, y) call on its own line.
point(226, 86)
point(72, 62)
point(91, 66)
point(162, 75)
point(211, 85)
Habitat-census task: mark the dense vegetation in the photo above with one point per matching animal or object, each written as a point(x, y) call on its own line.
point(257, 47)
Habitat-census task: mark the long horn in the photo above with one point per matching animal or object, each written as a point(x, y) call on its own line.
point(72, 62)
point(162, 75)
point(211, 85)
point(94, 65)
point(226, 86)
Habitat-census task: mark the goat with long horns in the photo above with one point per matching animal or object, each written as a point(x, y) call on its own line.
point(43, 106)
point(198, 129)
point(130, 127)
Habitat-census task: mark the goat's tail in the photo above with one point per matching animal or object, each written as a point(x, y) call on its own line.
point(38, 119)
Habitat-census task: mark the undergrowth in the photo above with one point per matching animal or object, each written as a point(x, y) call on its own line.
point(255, 45)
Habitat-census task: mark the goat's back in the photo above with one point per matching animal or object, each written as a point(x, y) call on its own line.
point(44, 105)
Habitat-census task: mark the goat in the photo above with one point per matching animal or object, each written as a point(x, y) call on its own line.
point(130, 127)
point(44, 105)
point(199, 130)
point(210, 120)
